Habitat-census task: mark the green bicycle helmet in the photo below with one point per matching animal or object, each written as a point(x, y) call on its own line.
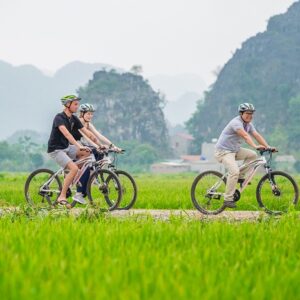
point(69, 98)
point(246, 107)
point(85, 107)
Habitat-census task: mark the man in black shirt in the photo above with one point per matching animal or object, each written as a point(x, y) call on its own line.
point(62, 147)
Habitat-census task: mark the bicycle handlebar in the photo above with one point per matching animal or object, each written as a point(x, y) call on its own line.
point(106, 151)
point(269, 150)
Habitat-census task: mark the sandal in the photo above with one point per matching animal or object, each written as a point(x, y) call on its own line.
point(65, 203)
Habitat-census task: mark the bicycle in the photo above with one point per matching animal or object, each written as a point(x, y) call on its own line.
point(128, 184)
point(43, 186)
point(282, 192)
point(129, 187)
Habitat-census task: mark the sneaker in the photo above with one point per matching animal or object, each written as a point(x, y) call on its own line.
point(230, 204)
point(79, 198)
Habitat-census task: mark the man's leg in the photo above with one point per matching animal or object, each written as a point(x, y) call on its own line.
point(65, 161)
point(81, 189)
point(247, 156)
point(228, 160)
point(73, 169)
point(80, 154)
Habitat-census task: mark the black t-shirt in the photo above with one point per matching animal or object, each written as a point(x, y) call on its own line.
point(57, 140)
point(76, 134)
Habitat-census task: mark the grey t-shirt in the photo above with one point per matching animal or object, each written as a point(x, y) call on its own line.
point(229, 139)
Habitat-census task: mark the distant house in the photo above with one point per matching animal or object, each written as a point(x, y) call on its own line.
point(208, 151)
point(191, 158)
point(170, 167)
point(200, 163)
point(192, 163)
point(180, 143)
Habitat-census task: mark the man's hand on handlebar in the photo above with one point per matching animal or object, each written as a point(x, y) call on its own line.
point(263, 148)
point(260, 147)
point(273, 149)
point(103, 148)
point(117, 149)
point(86, 149)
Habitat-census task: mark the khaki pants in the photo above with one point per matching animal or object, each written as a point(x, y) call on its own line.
point(229, 160)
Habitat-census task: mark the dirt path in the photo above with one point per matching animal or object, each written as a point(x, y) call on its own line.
point(165, 214)
point(161, 214)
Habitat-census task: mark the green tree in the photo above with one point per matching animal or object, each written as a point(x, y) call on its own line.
point(127, 109)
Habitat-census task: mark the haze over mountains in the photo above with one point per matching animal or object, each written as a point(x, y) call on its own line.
point(182, 92)
point(29, 97)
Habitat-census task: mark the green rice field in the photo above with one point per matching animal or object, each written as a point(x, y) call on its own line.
point(154, 191)
point(97, 256)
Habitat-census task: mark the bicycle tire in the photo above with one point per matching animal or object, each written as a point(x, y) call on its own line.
point(193, 193)
point(265, 178)
point(134, 186)
point(29, 181)
point(104, 188)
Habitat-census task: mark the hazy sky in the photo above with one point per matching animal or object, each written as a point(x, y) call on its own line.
point(164, 36)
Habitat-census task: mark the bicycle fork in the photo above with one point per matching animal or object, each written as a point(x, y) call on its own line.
point(274, 187)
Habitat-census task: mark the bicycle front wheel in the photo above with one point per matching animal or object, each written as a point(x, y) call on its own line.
point(207, 192)
point(42, 188)
point(104, 187)
point(129, 190)
point(277, 192)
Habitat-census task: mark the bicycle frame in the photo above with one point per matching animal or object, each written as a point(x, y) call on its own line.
point(262, 161)
point(105, 161)
point(108, 161)
point(88, 162)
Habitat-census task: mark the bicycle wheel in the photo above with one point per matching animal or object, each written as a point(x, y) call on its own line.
point(279, 196)
point(104, 187)
point(207, 192)
point(38, 191)
point(129, 190)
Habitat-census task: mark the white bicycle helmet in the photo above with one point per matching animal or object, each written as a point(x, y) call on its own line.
point(246, 107)
point(85, 107)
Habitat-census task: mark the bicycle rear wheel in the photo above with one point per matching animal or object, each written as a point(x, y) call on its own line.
point(40, 194)
point(207, 192)
point(277, 197)
point(104, 187)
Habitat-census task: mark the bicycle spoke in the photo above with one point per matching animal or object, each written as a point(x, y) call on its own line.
point(104, 189)
point(279, 195)
point(204, 189)
point(42, 188)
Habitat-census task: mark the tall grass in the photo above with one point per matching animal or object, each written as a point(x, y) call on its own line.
point(98, 257)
